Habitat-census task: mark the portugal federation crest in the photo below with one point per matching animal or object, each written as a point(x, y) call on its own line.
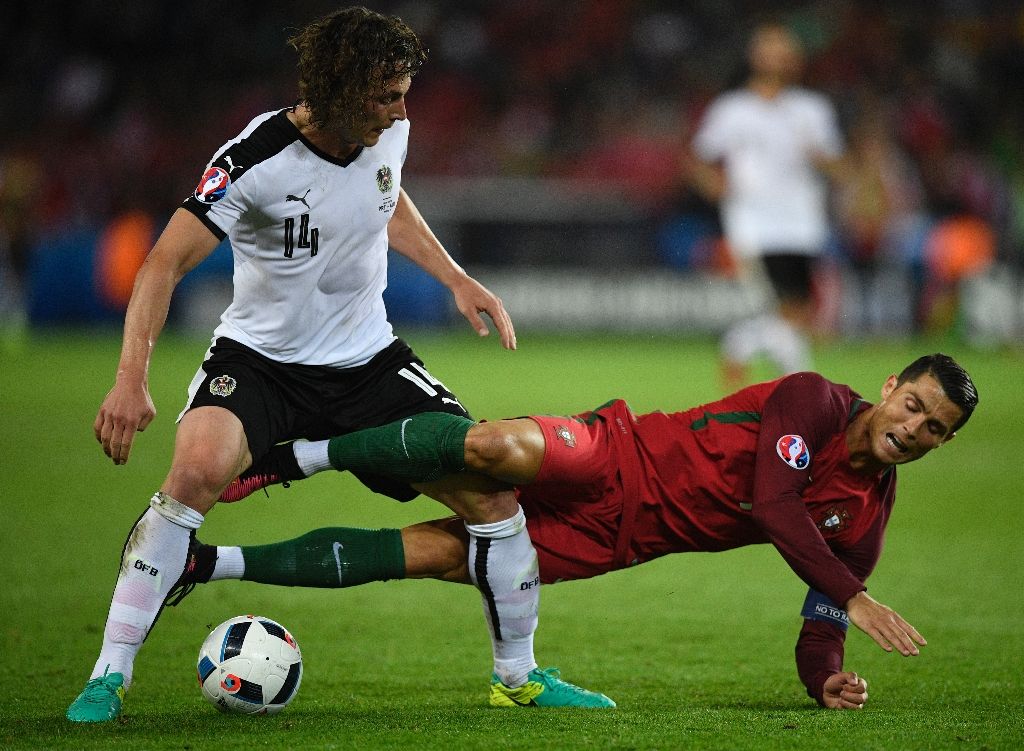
point(566, 436)
point(835, 519)
point(385, 180)
point(223, 385)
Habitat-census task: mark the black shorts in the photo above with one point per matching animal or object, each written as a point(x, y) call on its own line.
point(791, 275)
point(282, 401)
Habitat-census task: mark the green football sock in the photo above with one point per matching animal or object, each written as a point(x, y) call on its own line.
point(421, 448)
point(328, 557)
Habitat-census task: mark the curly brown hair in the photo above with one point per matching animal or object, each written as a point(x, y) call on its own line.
point(347, 58)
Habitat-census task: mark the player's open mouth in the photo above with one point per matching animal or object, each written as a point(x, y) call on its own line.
point(896, 443)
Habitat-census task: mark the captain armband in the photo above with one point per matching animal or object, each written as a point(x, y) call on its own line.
point(817, 607)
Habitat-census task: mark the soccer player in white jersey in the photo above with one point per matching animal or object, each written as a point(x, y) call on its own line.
point(762, 152)
point(310, 198)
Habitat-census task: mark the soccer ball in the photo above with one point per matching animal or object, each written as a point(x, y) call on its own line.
point(250, 665)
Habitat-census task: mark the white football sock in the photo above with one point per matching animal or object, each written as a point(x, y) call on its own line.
point(311, 456)
point(770, 335)
point(787, 347)
point(153, 559)
point(503, 566)
point(230, 563)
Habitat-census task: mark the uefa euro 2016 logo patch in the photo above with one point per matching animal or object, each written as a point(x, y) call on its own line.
point(223, 385)
point(793, 451)
point(385, 180)
point(213, 186)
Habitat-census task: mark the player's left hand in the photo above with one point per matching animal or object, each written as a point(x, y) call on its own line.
point(845, 691)
point(883, 624)
point(472, 299)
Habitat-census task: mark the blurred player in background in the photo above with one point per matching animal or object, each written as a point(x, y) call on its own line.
point(310, 197)
point(20, 188)
point(800, 462)
point(760, 153)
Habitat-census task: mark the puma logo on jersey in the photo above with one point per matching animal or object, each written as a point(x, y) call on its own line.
point(231, 165)
point(290, 197)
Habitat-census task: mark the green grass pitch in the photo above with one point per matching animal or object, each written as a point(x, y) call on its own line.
point(696, 649)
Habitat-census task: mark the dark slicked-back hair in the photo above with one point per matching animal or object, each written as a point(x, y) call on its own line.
point(955, 382)
point(347, 58)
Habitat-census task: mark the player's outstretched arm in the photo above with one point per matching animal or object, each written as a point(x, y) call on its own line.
point(409, 234)
point(884, 625)
point(128, 406)
point(845, 691)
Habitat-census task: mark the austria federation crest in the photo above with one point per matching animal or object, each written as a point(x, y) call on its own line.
point(385, 180)
point(213, 185)
point(793, 451)
point(223, 385)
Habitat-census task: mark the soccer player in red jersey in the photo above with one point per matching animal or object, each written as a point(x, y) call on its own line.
point(800, 462)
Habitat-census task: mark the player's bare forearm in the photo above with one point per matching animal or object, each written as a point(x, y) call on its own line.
point(883, 624)
point(128, 407)
point(184, 242)
point(708, 179)
point(409, 234)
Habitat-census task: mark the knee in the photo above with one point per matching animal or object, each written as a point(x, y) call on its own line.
point(508, 450)
point(197, 481)
point(489, 448)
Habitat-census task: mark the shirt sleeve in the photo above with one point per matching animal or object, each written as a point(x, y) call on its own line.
point(801, 415)
point(828, 138)
point(222, 196)
point(820, 646)
point(819, 654)
point(709, 143)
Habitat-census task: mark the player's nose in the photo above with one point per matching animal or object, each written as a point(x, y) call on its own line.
point(913, 426)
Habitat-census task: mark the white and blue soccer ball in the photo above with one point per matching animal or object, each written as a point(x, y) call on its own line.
point(250, 665)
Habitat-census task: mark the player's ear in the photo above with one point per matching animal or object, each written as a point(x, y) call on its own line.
point(889, 386)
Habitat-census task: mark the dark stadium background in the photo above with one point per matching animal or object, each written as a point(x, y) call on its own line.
point(546, 143)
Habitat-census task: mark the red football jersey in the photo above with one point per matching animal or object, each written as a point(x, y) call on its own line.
point(766, 464)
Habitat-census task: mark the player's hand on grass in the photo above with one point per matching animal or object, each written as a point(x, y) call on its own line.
point(472, 299)
point(884, 625)
point(126, 409)
point(845, 691)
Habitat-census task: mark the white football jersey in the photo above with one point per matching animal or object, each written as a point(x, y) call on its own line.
point(775, 197)
point(309, 238)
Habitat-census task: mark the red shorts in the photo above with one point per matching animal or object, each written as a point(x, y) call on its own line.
point(574, 506)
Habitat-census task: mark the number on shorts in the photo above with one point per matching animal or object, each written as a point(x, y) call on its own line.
point(424, 380)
